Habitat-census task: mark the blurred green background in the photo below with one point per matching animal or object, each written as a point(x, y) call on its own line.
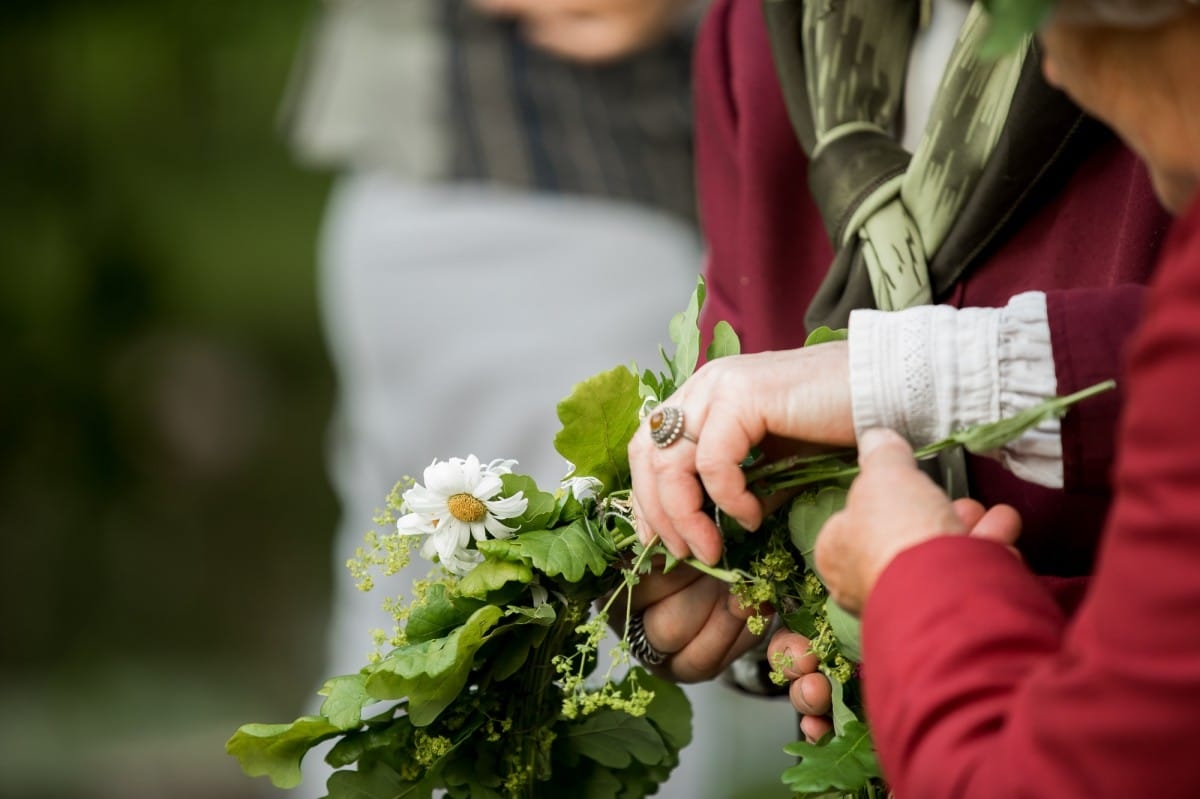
point(165, 521)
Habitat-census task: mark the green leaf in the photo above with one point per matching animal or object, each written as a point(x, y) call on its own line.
point(685, 333)
point(823, 335)
point(847, 629)
point(474, 774)
point(492, 575)
point(841, 712)
point(503, 549)
point(807, 516)
point(615, 739)
point(569, 551)
point(432, 673)
point(986, 438)
point(599, 419)
point(543, 614)
point(345, 698)
point(724, 342)
point(435, 617)
point(541, 504)
point(669, 710)
point(275, 750)
point(602, 784)
point(378, 781)
point(655, 386)
point(509, 651)
point(846, 762)
point(568, 510)
point(801, 620)
point(388, 736)
point(1011, 21)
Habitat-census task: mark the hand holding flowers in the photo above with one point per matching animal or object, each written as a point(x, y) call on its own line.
point(891, 507)
point(493, 686)
point(775, 402)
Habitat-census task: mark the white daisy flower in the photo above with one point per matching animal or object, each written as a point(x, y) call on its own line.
point(583, 488)
point(455, 505)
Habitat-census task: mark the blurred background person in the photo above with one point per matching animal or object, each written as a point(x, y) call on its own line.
point(514, 213)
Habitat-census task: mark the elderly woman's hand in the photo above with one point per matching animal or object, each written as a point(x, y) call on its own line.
point(730, 405)
point(691, 620)
point(892, 506)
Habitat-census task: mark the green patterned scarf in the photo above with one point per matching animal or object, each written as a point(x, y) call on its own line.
point(842, 64)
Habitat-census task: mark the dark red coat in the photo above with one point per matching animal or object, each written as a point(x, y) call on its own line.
point(978, 686)
point(1091, 247)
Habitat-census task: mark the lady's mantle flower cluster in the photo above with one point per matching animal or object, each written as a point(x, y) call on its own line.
point(457, 504)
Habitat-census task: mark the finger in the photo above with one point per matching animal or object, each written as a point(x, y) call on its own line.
point(790, 650)
point(712, 652)
point(969, 511)
point(1001, 524)
point(811, 694)
point(680, 519)
point(652, 521)
point(677, 620)
point(649, 466)
point(743, 612)
point(720, 451)
point(703, 644)
point(644, 532)
point(815, 727)
point(688, 529)
point(881, 448)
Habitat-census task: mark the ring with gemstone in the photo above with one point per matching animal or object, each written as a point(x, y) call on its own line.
point(666, 426)
point(639, 647)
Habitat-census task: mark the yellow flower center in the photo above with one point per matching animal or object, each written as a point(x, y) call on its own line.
point(466, 508)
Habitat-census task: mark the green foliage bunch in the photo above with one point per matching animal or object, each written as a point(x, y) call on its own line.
point(491, 688)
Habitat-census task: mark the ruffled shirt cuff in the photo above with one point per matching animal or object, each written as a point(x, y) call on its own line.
point(934, 369)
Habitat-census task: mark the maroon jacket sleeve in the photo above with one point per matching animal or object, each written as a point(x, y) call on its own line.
point(977, 684)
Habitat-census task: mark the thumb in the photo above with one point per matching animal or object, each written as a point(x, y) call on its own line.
point(880, 445)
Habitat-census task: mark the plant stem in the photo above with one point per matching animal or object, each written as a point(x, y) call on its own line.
point(533, 706)
point(730, 576)
point(783, 464)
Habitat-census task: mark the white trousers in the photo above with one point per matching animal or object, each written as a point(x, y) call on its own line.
point(457, 318)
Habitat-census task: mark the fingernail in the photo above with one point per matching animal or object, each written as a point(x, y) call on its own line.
point(748, 526)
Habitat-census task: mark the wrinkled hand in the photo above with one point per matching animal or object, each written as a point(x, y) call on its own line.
point(591, 30)
point(693, 619)
point(809, 691)
point(893, 505)
point(730, 405)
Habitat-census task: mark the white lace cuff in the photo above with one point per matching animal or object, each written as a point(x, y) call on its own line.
point(930, 370)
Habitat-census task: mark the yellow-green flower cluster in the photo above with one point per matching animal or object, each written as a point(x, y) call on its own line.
point(769, 574)
point(428, 749)
point(583, 702)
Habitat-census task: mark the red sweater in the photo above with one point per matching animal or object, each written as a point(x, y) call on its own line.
point(1091, 248)
point(976, 684)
